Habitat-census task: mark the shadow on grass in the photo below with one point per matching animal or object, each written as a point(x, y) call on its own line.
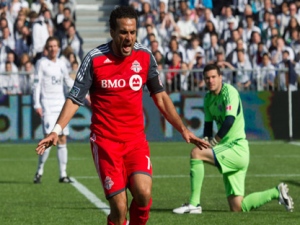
point(293, 182)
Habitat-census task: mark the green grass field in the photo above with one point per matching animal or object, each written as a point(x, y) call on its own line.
point(23, 202)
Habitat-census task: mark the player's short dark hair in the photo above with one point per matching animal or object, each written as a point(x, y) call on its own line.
point(122, 12)
point(52, 38)
point(211, 66)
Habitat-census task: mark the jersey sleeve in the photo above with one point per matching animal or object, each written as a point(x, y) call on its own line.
point(154, 83)
point(208, 116)
point(231, 101)
point(38, 74)
point(83, 81)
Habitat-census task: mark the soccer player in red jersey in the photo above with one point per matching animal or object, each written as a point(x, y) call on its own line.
point(114, 75)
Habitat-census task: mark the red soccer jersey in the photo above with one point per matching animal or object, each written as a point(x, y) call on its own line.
point(116, 85)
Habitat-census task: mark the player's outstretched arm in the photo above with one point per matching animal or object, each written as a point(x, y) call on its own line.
point(66, 114)
point(167, 108)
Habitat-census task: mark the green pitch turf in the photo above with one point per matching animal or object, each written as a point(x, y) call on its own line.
point(22, 202)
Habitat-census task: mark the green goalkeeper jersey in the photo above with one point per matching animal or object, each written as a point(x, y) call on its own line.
point(226, 103)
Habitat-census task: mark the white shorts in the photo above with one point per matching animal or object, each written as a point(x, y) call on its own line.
point(49, 121)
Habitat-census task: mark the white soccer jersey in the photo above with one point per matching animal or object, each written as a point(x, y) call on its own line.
point(50, 78)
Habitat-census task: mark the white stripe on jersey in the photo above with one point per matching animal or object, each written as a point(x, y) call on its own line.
point(140, 46)
point(86, 61)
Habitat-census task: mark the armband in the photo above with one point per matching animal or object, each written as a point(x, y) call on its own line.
point(57, 129)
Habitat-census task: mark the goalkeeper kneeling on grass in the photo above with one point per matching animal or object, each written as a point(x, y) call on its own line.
point(229, 151)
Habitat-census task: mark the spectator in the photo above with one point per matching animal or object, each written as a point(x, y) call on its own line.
point(48, 20)
point(276, 54)
point(292, 25)
point(295, 44)
point(227, 33)
point(201, 20)
point(226, 67)
point(8, 39)
point(58, 13)
point(226, 14)
point(24, 42)
point(26, 76)
point(159, 57)
point(267, 32)
point(24, 58)
point(145, 13)
point(214, 46)
point(192, 51)
point(250, 27)
point(257, 58)
point(294, 11)
point(5, 23)
point(244, 73)
point(10, 84)
point(253, 44)
point(37, 5)
point(186, 26)
point(165, 28)
point(182, 81)
point(13, 60)
point(205, 35)
point(39, 35)
point(266, 74)
point(14, 8)
point(61, 29)
point(155, 46)
point(267, 7)
point(232, 57)
point(283, 16)
point(198, 79)
point(73, 40)
point(287, 74)
point(174, 69)
point(4, 50)
point(174, 47)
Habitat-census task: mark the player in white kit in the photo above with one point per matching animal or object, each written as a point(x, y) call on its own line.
point(51, 76)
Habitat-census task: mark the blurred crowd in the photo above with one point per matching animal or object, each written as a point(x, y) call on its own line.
point(24, 29)
point(256, 43)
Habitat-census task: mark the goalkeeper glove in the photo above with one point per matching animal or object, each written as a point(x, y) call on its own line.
point(213, 142)
point(205, 139)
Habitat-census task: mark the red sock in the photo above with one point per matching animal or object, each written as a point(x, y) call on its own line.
point(139, 215)
point(111, 223)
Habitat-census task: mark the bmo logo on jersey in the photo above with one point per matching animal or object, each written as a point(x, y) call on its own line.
point(135, 83)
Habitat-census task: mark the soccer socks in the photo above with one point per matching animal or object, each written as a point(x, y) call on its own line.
point(139, 215)
point(196, 179)
point(257, 199)
point(42, 160)
point(62, 156)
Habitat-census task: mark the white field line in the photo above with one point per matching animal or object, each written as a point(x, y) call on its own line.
point(295, 143)
point(90, 196)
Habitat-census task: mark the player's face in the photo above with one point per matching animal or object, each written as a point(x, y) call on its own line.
point(124, 36)
point(213, 81)
point(52, 49)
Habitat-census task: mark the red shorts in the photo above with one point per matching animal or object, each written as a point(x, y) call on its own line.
point(116, 161)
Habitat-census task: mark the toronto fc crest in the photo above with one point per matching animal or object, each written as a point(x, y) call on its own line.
point(136, 67)
point(108, 183)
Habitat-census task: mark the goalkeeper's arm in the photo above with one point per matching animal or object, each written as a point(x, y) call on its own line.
point(208, 131)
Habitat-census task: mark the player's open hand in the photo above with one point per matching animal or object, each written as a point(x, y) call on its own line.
point(191, 138)
point(48, 141)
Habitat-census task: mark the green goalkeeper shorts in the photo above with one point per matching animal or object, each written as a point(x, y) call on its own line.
point(233, 159)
